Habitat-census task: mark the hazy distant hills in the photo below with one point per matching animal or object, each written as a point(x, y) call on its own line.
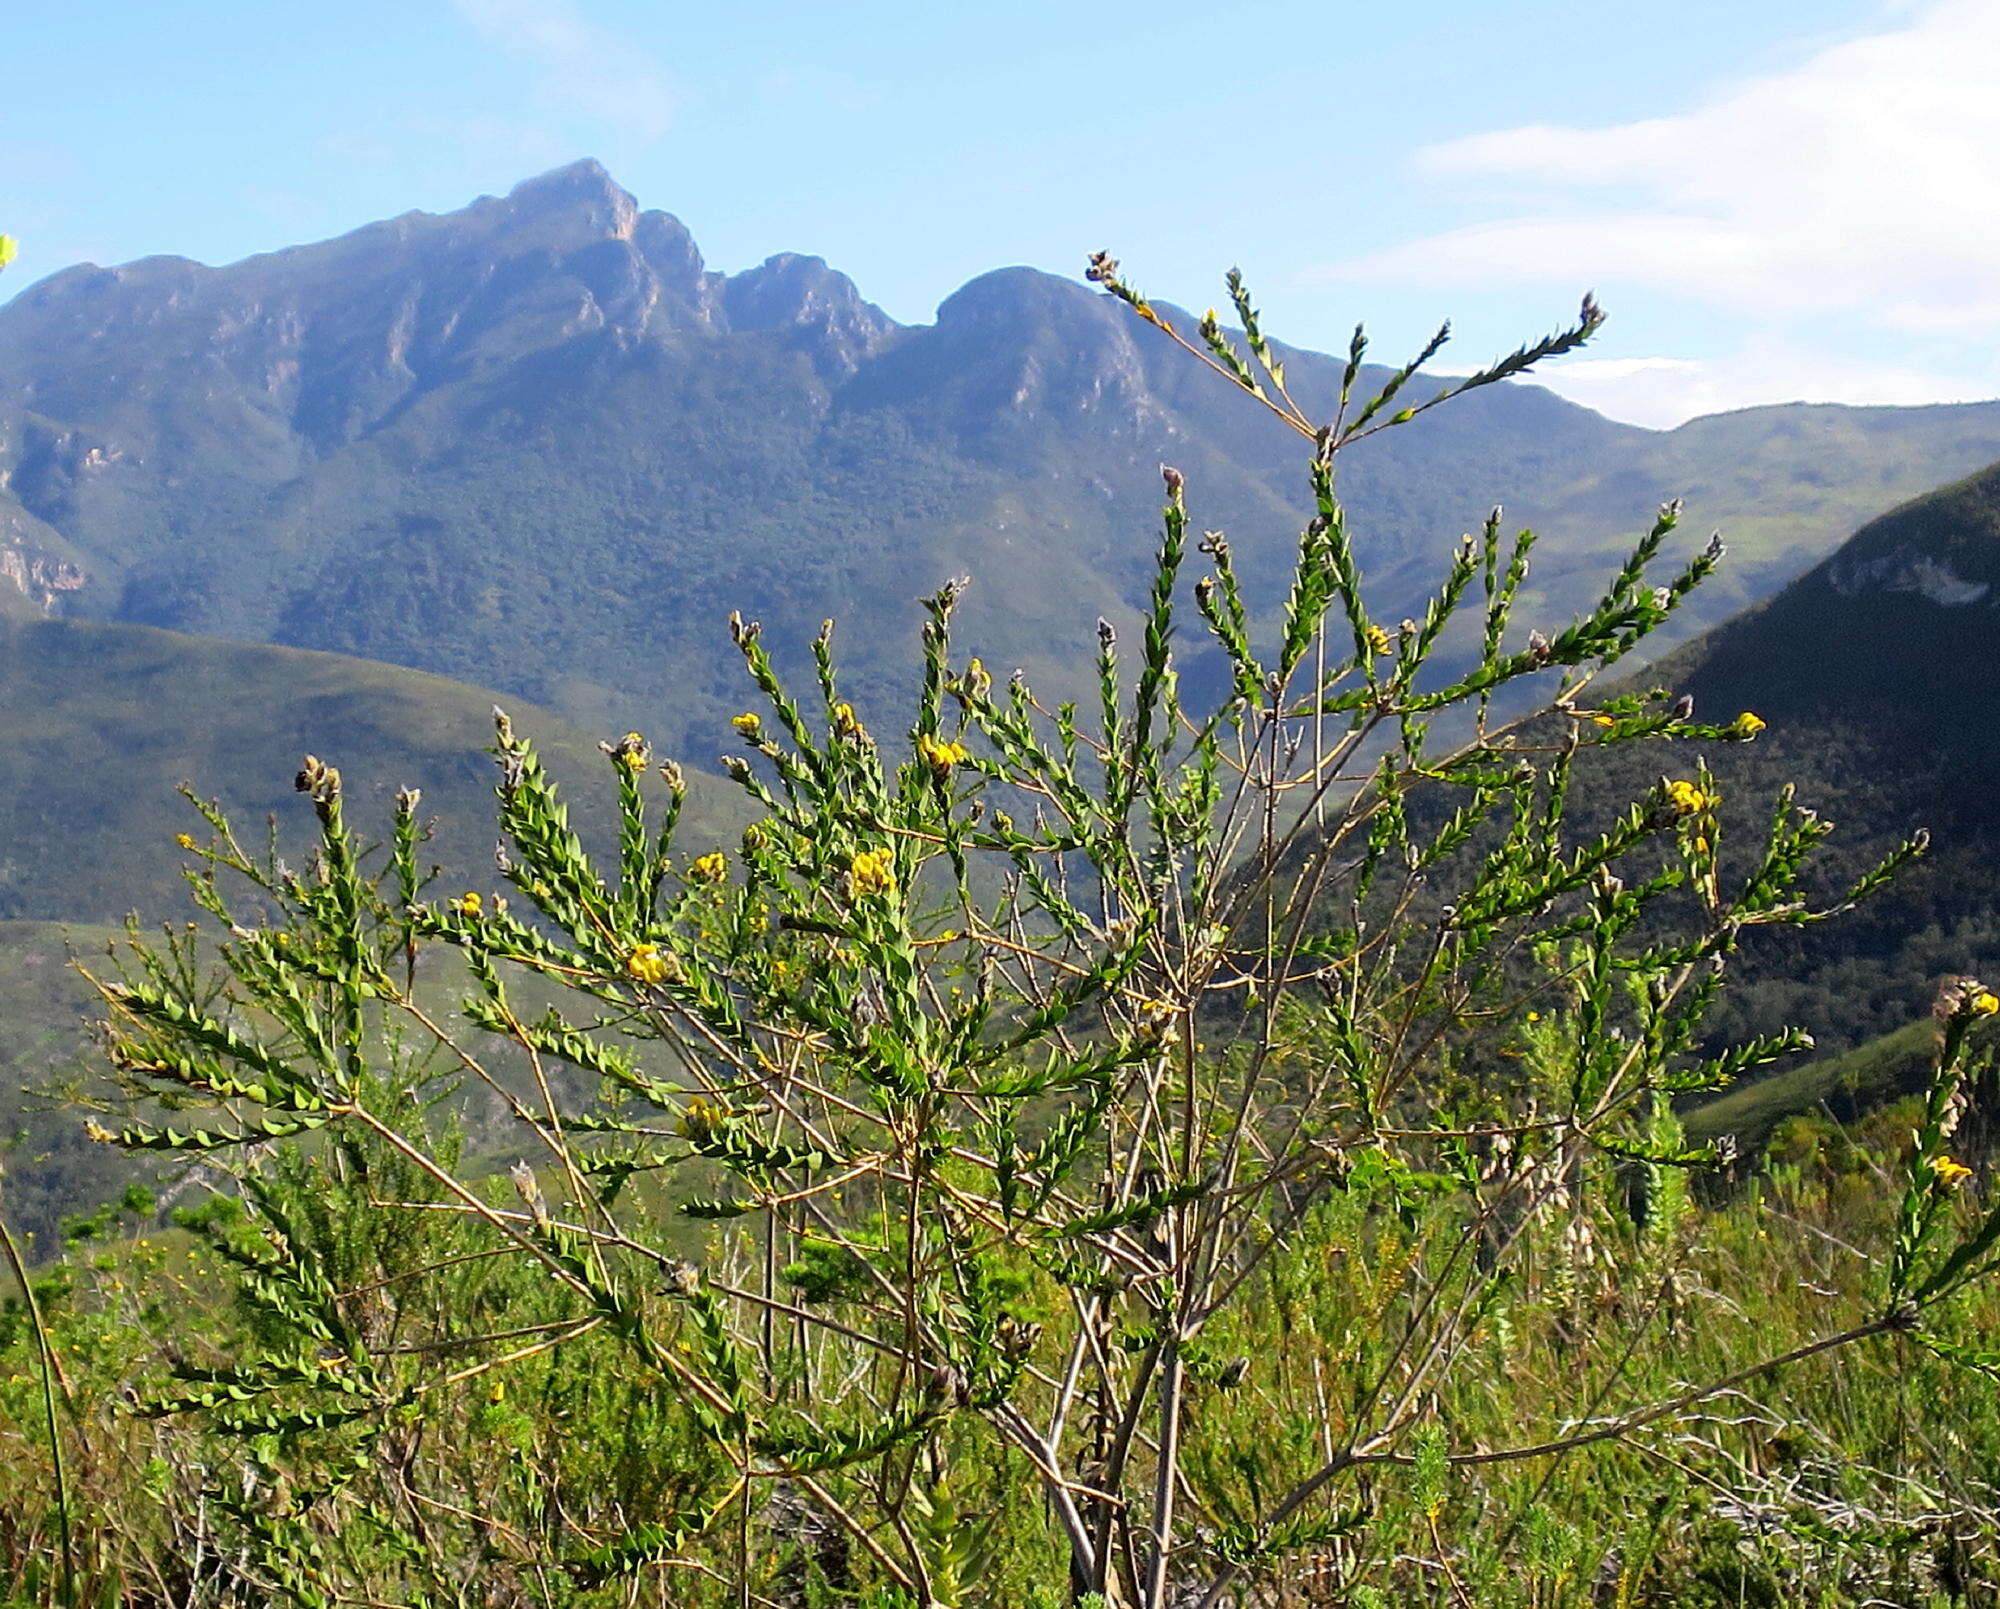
point(536, 445)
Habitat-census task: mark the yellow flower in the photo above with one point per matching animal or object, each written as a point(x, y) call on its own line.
point(941, 754)
point(845, 721)
point(1378, 640)
point(469, 904)
point(1984, 1003)
point(1950, 1174)
point(1688, 798)
point(749, 723)
point(873, 871)
point(1601, 719)
point(709, 868)
point(701, 1117)
point(1747, 724)
point(184, 840)
point(630, 751)
point(650, 964)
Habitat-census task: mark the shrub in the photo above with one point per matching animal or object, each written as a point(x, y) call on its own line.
point(1102, 1153)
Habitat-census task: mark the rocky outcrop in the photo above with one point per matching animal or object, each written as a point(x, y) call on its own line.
point(39, 578)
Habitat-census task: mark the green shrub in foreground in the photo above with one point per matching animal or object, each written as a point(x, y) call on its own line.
point(1059, 1155)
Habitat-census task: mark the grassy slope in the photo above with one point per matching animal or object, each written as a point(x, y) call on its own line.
point(99, 723)
point(47, 1166)
point(1844, 1086)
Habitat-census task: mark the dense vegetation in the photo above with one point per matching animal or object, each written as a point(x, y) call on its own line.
point(1213, 1144)
point(1873, 670)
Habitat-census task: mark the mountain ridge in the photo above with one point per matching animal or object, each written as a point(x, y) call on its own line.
point(537, 444)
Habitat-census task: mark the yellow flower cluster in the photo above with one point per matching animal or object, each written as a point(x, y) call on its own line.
point(873, 871)
point(469, 904)
point(1378, 639)
point(184, 840)
point(749, 723)
point(709, 868)
point(650, 964)
point(631, 751)
point(1983, 1002)
point(941, 754)
point(1690, 799)
point(1950, 1174)
point(702, 1117)
point(1748, 724)
point(846, 723)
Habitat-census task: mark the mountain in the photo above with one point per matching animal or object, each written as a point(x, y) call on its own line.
point(1878, 671)
point(536, 444)
point(99, 723)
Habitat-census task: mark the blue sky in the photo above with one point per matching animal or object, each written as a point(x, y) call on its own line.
point(1775, 200)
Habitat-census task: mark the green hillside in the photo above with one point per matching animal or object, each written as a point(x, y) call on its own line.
point(45, 1011)
point(99, 724)
point(1843, 1087)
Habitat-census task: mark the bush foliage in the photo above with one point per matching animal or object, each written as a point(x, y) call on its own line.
point(1168, 1152)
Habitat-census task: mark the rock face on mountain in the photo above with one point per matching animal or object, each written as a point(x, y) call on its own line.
point(536, 444)
point(1900, 628)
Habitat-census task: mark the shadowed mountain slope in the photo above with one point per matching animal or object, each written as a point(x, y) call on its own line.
point(1877, 670)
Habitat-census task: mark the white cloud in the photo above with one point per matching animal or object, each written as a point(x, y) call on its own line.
point(1860, 187)
point(1665, 391)
point(580, 69)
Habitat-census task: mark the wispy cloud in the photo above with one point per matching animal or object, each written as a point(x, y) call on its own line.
point(1857, 188)
point(1761, 368)
point(581, 70)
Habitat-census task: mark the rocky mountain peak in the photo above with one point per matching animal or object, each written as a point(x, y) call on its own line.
point(582, 191)
point(816, 307)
